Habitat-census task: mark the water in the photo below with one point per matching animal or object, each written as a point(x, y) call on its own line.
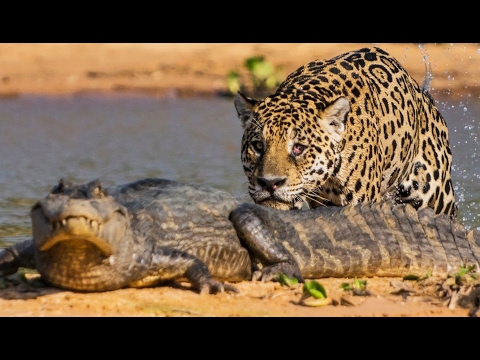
point(464, 130)
point(116, 139)
point(119, 139)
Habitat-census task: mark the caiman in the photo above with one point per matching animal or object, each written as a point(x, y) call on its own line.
point(90, 238)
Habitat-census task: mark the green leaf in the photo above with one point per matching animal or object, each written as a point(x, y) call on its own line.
point(271, 81)
point(427, 275)
point(262, 70)
point(285, 280)
point(359, 284)
point(412, 277)
point(346, 286)
point(465, 270)
point(233, 82)
point(252, 62)
point(315, 289)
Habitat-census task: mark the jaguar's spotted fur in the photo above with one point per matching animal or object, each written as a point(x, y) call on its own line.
point(351, 129)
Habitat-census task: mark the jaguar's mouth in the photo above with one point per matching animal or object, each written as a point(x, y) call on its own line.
point(277, 204)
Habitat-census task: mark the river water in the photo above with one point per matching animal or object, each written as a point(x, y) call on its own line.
point(119, 139)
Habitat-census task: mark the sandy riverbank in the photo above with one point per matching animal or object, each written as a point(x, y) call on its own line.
point(201, 69)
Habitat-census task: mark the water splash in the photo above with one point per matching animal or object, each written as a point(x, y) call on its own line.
point(427, 79)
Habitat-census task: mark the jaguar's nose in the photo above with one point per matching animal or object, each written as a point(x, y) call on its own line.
point(271, 185)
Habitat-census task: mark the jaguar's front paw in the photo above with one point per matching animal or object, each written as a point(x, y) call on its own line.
point(403, 195)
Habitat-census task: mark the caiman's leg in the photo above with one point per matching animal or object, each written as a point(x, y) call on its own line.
point(254, 231)
point(15, 256)
point(169, 263)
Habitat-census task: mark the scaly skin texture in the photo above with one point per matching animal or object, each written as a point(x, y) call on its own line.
point(381, 239)
point(88, 238)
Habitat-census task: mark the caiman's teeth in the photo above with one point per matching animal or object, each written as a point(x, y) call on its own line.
point(56, 225)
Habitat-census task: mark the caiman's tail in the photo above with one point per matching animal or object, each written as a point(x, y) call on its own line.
point(362, 240)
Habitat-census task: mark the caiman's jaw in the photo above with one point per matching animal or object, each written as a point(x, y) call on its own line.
point(78, 241)
point(76, 220)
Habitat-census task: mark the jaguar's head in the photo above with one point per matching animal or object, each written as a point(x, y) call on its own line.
point(290, 146)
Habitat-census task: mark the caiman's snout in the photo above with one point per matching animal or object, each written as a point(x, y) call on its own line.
point(55, 220)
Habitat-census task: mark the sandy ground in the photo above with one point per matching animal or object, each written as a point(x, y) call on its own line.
point(200, 70)
point(384, 297)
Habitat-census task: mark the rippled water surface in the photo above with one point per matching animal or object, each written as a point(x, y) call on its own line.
point(121, 139)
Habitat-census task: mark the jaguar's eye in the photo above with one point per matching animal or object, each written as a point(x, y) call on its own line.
point(298, 149)
point(258, 146)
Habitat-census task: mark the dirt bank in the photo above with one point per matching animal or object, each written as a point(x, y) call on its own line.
point(384, 297)
point(201, 69)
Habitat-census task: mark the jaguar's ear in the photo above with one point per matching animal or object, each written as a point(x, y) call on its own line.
point(244, 106)
point(335, 116)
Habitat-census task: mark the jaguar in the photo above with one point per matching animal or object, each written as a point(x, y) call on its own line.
point(351, 129)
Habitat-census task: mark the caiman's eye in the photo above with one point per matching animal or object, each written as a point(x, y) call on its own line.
point(298, 149)
point(62, 185)
point(258, 146)
point(97, 192)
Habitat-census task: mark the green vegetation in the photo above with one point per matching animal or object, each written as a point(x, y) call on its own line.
point(314, 294)
point(21, 276)
point(314, 289)
point(233, 82)
point(466, 275)
point(288, 281)
point(263, 78)
point(465, 270)
point(412, 277)
point(356, 285)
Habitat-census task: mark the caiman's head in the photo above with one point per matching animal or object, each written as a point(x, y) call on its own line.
point(77, 230)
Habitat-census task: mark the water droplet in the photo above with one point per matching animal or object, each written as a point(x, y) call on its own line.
point(465, 108)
